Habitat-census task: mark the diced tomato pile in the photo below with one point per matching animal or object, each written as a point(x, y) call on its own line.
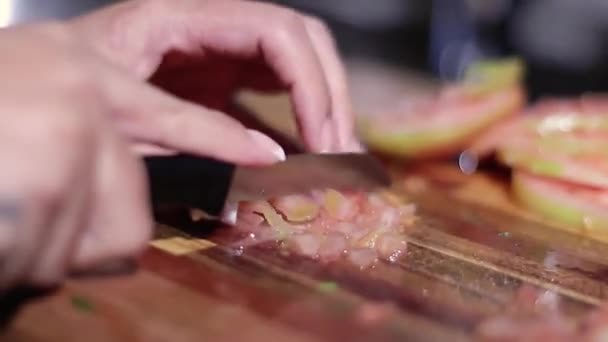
point(328, 225)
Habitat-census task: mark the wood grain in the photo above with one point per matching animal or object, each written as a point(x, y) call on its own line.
point(460, 268)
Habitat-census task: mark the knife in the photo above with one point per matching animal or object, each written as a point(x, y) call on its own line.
point(208, 184)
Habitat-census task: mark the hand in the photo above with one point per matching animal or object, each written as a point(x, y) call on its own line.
point(205, 50)
point(72, 194)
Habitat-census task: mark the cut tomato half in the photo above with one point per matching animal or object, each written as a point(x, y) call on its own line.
point(582, 162)
point(581, 207)
point(447, 122)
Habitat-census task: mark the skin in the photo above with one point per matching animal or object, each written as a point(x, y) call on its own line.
point(81, 101)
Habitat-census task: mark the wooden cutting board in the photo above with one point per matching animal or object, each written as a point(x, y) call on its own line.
point(472, 250)
point(464, 262)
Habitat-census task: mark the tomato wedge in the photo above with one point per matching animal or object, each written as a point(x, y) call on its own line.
point(567, 203)
point(447, 122)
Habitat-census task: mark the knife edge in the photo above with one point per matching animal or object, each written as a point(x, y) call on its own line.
point(208, 184)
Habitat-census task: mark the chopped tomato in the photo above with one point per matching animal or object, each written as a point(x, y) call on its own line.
point(339, 206)
point(296, 208)
point(330, 224)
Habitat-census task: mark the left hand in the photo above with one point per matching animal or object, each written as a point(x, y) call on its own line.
point(205, 50)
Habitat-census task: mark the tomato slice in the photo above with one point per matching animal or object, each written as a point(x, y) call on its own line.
point(447, 122)
point(577, 206)
point(557, 122)
point(557, 139)
point(575, 165)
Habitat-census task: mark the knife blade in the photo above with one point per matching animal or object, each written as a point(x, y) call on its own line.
point(304, 172)
point(207, 184)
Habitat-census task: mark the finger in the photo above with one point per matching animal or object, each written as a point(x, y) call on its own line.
point(291, 54)
point(25, 226)
point(252, 120)
point(237, 28)
point(120, 223)
point(144, 149)
point(63, 232)
point(156, 118)
point(41, 198)
point(73, 186)
point(341, 106)
point(14, 238)
point(279, 36)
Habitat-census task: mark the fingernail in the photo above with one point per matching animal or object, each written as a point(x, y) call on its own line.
point(265, 142)
point(327, 136)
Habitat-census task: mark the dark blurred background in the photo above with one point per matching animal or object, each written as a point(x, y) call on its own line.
point(562, 41)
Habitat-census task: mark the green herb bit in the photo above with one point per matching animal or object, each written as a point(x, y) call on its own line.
point(328, 287)
point(82, 304)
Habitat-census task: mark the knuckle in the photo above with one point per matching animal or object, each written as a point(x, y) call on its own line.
point(48, 277)
point(67, 139)
point(137, 240)
point(132, 242)
point(171, 126)
point(71, 130)
point(318, 25)
point(289, 25)
point(177, 125)
point(46, 194)
point(77, 83)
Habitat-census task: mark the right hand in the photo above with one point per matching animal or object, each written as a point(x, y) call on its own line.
point(72, 194)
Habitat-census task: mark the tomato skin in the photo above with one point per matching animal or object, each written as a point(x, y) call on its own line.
point(584, 209)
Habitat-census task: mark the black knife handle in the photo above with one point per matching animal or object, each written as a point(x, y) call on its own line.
point(196, 182)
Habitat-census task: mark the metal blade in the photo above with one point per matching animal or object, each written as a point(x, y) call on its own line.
point(304, 172)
